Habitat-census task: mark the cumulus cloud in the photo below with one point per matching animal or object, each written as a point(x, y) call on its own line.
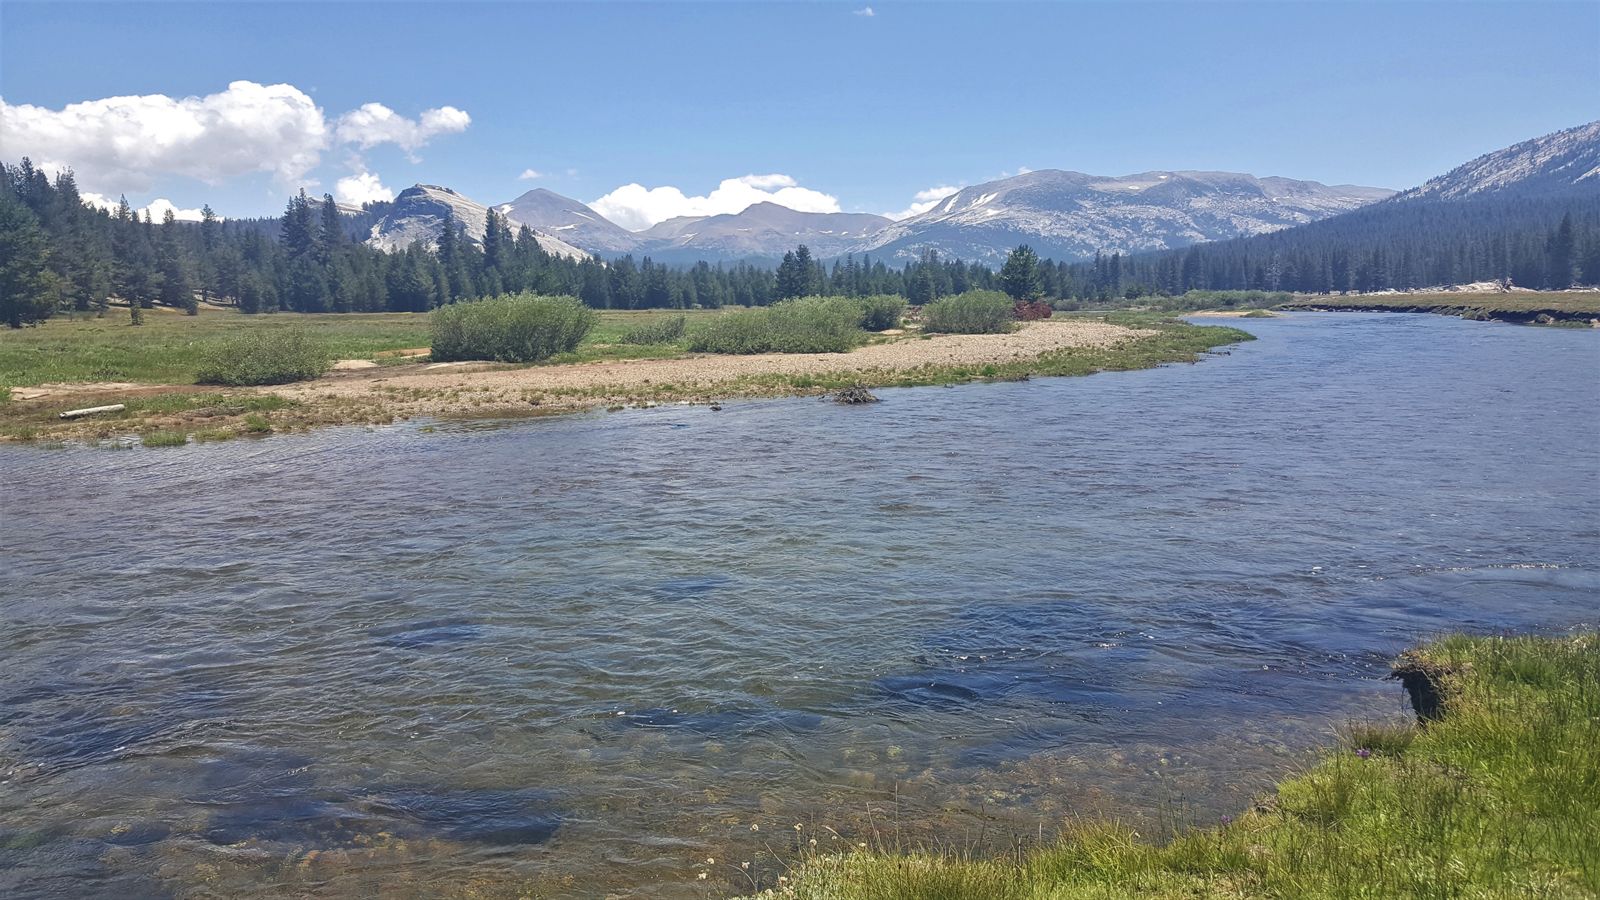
point(360, 189)
point(159, 206)
point(157, 210)
point(636, 207)
point(923, 201)
point(865, 12)
point(128, 143)
point(373, 123)
point(529, 175)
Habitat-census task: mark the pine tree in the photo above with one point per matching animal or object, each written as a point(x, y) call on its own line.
point(27, 287)
point(1020, 277)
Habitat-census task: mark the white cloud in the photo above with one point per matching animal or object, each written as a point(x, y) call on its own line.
point(923, 201)
point(158, 211)
point(128, 143)
point(865, 12)
point(125, 143)
point(99, 200)
point(360, 189)
point(529, 175)
point(373, 123)
point(636, 207)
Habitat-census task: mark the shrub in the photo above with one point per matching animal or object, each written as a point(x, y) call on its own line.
point(882, 311)
point(1031, 310)
point(808, 325)
point(660, 331)
point(265, 356)
point(510, 328)
point(975, 312)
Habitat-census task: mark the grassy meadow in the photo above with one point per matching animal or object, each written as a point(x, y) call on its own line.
point(1517, 305)
point(1499, 797)
point(170, 348)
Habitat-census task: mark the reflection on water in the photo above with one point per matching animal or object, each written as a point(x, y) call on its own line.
point(580, 655)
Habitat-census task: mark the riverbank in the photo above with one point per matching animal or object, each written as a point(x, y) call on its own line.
point(1496, 797)
point(396, 388)
point(1572, 308)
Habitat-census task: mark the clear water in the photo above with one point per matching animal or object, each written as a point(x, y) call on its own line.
point(580, 656)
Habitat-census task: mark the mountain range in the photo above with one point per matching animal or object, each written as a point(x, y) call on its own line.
point(1063, 215)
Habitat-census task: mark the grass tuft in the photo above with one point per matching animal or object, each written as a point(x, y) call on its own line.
point(1498, 798)
point(164, 439)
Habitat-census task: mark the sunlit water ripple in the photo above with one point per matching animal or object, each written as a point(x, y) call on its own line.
point(581, 655)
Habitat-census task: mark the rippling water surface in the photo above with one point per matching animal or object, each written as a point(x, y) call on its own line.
point(581, 655)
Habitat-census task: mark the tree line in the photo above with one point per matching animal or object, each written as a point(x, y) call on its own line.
point(59, 253)
point(62, 254)
point(1545, 244)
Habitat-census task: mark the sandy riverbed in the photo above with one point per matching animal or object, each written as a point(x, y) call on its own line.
point(702, 377)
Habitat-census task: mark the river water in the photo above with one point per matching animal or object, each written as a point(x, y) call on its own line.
point(582, 655)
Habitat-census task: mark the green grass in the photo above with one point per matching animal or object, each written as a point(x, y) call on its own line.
point(164, 439)
point(662, 330)
point(1499, 798)
point(1514, 304)
point(169, 347)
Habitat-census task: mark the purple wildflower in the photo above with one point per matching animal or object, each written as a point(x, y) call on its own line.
point(1364, 753)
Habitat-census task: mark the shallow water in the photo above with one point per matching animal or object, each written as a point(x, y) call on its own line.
point(582, 655)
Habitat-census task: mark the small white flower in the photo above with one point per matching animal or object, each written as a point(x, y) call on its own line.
point(711, 860)
point(754, 827)
point(744, 865)
point(701, 876)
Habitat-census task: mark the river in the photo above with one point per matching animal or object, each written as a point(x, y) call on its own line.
point(581, 655)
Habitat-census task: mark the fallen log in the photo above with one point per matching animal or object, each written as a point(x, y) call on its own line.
point(92, 411)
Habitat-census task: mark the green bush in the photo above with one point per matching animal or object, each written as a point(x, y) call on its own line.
point(882, 311)
point(659, 331)
point(510, 328)
point(975, 312)
point(808, 325)
point(265, 356)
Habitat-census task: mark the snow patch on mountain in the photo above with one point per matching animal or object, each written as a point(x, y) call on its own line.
point(420, 213)
point(1553, 164)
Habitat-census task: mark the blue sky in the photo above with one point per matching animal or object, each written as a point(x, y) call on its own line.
point(860, 112)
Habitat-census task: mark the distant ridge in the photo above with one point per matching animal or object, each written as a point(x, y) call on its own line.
point(1563, 163)
point(1070, 215)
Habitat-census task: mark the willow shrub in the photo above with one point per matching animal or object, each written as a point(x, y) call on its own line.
point(974, 312)
point(807, 325)
point(510, 328)
point(881, 312)
point(261, 356)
